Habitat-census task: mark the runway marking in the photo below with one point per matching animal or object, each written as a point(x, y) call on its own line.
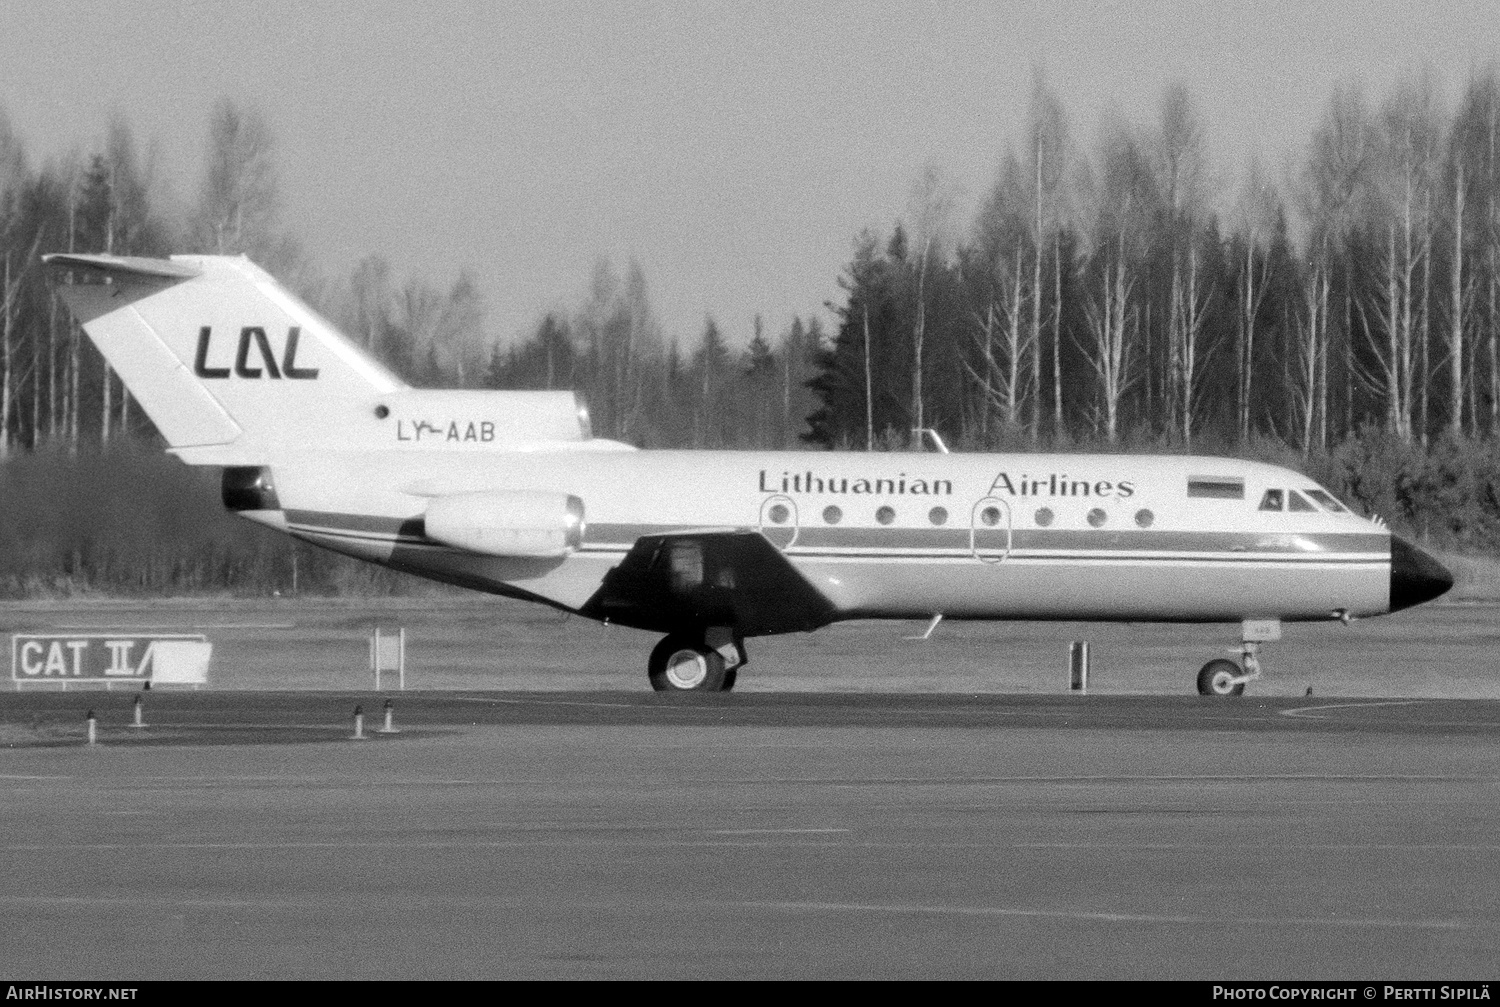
point(976, 781)
point(1308, 712)
point(649, 837)
point(201, 903)
point(1105, 917)
point(772, 832)
point(651, 842)
point(542, 702)
point(1413, 847)
point(1164, 778)
point(16, 776)
point(233, 726)
point(197, 625)
point(363, 844)
point(321, 903)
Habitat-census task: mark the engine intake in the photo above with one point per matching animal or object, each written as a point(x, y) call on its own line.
point(248, 487)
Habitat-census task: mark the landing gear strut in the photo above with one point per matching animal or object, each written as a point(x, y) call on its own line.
point(696, 662)
point(1222, 677)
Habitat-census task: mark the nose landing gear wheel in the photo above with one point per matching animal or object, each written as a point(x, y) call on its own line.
point(1217, 678)
point(679, 664)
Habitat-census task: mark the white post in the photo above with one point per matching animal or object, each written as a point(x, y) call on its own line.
point(1078, 667)
point(390, 719)
point(93, 728)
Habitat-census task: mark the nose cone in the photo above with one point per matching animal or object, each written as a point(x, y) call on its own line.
point(1415, 576)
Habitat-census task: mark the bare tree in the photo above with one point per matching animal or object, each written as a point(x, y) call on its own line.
point(1049, 150)
point(10, 283)
point(1337, 192)
point(869, 386)
point(1472, 173)
point(1308, 367)
point(1410, 125)
point(239, 195)
point(1256, 215)
point(1112, 327)
point(14, 176)
point(418, 310)
point(1121, 201)
point(642, 349)
point(1003, 380)
point(1180, 163)
point(932, 201)
point(371, 301)
point(460, 335)
point(1456, 304)
point(622, 338)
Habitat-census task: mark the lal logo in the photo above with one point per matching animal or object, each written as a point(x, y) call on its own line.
point(242, 367)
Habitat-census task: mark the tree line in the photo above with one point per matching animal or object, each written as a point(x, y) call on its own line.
point(1125, 292)
point(54, 386)
point(1122, 290)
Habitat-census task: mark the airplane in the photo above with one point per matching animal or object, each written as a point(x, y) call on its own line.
point(508, 492)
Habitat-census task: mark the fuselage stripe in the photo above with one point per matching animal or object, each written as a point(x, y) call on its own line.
point(870, 555)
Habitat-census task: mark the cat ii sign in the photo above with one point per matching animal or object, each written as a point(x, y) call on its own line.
point(91, 658)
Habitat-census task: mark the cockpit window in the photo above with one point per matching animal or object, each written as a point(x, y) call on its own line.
point(1272, 500)
point(1216, 487)
point(1298, 502)
point(1326, 500)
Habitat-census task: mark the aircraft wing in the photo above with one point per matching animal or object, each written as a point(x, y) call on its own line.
point(694, 579)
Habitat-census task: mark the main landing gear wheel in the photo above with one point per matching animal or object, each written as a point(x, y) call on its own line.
point(1218, 678)
point(682, 664)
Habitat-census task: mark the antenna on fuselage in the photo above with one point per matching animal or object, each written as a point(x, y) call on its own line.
point(937, 441)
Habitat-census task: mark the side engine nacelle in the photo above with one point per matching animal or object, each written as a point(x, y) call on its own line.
point(508, 523)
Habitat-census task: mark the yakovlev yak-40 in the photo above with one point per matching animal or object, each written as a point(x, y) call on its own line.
point(508, 492)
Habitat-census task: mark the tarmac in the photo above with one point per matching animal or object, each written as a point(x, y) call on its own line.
point(620, 834)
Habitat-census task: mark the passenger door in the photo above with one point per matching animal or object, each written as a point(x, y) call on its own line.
point(778, 520)
point(989, 530)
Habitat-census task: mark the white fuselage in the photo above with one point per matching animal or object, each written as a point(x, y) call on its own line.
point(885, 535)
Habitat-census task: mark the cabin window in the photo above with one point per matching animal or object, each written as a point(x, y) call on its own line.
point(885, 515)
point(990, 516)
point(1216, 487)
point(832, 515)
point(1326, 500)
point(1144, 518)
point(779, 514)
point(1272, 500)
point(1044, 517)
point(1297, 502)
point(938, 515)
point(1097, 517)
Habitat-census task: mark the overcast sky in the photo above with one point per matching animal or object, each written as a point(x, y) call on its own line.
point(734, 150)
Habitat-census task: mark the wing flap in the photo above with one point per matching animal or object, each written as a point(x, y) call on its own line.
point(697, 579)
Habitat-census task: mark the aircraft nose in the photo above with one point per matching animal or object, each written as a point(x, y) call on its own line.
point(1415, 576)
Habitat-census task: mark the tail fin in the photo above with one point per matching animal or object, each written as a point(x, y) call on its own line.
point(228, 364)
